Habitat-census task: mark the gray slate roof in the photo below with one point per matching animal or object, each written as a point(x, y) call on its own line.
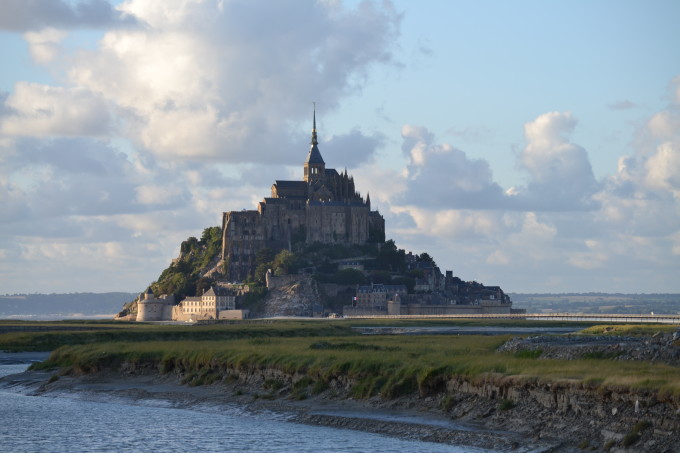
point(314, 156)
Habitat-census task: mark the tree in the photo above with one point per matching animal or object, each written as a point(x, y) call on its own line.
point(285, 262)
point(426, 258)
point(188, 245)
point(390, 258)
point(264, 261)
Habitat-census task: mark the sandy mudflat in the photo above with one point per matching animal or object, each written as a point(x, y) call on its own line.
point(406, 419)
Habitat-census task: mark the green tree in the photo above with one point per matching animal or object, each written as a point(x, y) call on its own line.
point(426, 258)
point(285, 262)
point(264, 260)
point(390, 258)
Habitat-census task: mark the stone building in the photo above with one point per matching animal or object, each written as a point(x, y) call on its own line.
point(152, 308)
point(210, 305)
point(376, 296)
point(323, 207)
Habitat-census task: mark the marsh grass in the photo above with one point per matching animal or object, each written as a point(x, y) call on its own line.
point(389, 366)
point(260, 332)
point(528, 353)
point(629, 329)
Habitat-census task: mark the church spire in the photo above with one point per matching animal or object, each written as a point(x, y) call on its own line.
point(315, 167)
point(314, 140)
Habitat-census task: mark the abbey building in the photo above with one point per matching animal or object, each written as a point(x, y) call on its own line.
point(323, 207)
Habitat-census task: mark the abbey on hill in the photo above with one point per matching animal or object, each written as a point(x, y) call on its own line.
point(324, 207)
point(307, 221)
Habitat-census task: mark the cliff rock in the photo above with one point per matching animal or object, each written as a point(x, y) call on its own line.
point(292, 297)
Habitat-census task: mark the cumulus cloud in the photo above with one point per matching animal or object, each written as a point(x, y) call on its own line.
point(441, 176)
point(351, 149)
point(562, 224)
point(224, 81)
point(25, 15)
point(44, 44)
point(42, 111)
point(560, 171)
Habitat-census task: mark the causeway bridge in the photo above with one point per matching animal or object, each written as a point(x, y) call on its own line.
point(577, 317)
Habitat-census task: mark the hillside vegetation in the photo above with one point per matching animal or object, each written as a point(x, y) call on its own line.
point(186, 275)
point(198, 266)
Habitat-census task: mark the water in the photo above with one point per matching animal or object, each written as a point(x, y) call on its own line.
point(59, 424)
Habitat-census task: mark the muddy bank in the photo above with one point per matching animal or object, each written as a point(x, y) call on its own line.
point(405, 419)
point(497, 414)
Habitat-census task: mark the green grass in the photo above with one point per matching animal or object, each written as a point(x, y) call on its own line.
point(112, 332)
point(389, 366)
point(629, 329)
point(529, 353)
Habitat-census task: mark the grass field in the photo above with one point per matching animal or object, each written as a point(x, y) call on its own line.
point(325, 350)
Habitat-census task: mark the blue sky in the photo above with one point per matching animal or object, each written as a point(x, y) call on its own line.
point(530, 144)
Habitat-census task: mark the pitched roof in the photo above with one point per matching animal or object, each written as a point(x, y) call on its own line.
point(300, 185)
point(314, 156)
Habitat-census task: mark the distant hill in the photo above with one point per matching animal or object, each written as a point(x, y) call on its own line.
point(62, 306)
point(595, 303)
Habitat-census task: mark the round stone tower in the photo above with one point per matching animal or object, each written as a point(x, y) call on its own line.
point(149, 308)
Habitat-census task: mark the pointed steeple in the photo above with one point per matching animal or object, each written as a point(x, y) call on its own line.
point(368, 200)
point(315, 167)
point(314, 140)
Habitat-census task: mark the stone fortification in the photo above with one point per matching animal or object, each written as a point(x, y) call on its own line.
point(323, 207)
point(214, 304)
point(151, 308)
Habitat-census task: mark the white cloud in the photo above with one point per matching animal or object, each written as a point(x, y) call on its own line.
point(224, 81)
point(441, 176)
point(561, 174)
point(42, 111)
point(158, 195)
point(43, 44)
point(663, 169)
point(563, 228)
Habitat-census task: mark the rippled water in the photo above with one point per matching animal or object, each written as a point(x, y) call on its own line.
point(57, 424)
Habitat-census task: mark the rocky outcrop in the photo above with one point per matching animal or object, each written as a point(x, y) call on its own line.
point(658, 348)
point(294, 297)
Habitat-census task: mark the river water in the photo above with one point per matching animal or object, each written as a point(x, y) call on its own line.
point(66, 425)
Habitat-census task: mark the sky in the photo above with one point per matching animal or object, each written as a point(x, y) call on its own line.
point(529, 144)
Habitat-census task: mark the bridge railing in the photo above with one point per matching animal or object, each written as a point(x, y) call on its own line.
point(607, 317)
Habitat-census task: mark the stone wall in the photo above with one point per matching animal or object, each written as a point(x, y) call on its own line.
point(234, 314)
